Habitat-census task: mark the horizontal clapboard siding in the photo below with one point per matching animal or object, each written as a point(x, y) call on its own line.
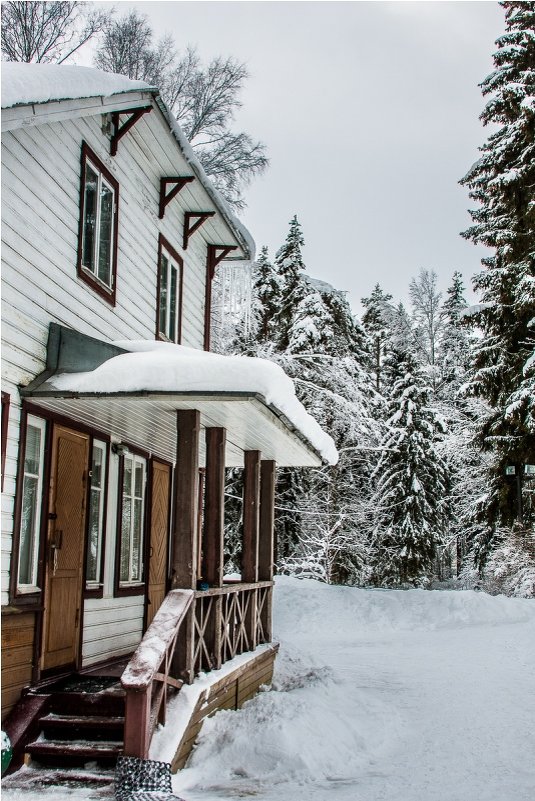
point(17, 656)
point(112, 627)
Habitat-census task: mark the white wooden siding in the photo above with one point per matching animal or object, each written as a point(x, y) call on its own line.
point(40, 216)
point(112, 627)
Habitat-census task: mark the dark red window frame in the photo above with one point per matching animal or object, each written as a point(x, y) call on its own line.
point(108, 294)
point(121, 590)
point(5, 423)
point(163, 244)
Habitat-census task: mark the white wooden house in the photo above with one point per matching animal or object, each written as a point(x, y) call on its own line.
point(112, 473)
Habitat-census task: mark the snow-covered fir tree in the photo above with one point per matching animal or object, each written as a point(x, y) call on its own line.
point(376, 317)
point(454, 348)
point(328, 360)
point(412, 484)
point(502, 182)
point(289, 267)
point(266, 295)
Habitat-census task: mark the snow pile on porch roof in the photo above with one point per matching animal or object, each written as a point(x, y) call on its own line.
point(163, 367)
point(23, 83)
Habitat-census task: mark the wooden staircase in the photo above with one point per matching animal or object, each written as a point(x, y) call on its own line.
point(72, 728)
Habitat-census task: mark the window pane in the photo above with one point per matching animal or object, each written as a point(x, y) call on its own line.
point(105, 234)
point(173, 304)
point(126, 522)
point(32, 453)
point(127, 476)
point(92, 565)
point(96, 466)
point(139, 481)
point(162, 327)
point(90, 218)
point(31, 503)
point(96, 513)
point(30, 500)
point(131, 566)
point(136, 539)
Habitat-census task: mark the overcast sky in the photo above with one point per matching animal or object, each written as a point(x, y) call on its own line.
point(370, 114)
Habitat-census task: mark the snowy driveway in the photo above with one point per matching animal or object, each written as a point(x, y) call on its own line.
point(383, 696)
point(380, 696)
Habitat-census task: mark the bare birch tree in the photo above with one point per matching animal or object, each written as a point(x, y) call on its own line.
point(427, 314)
point(204, 98)
point(48, 32)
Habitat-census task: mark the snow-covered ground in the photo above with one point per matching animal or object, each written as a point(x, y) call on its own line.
point(378, 696)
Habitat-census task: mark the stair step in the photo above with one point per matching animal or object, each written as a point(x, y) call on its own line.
point(74, 753)
point(83, 727)
point(105, 704)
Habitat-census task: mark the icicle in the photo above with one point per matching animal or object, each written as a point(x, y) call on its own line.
point(231, 299)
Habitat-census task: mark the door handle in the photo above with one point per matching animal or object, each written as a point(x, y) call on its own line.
point(56, 540)
point(55, 545)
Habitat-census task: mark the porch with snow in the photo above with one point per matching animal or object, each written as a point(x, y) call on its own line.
point(201, 412)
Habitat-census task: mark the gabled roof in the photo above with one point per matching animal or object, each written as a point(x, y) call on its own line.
point(34, 85)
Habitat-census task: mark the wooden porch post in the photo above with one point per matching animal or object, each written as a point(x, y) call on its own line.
point(251, 530)
point(213, 534)
point(251, 516)
point(185, 534)
point(185, 543)
point(266, 550)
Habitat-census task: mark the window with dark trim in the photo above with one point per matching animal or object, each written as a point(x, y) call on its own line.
point(97, 246)
point(169, 293)
point(133, 479)
point(96, 515)
point(32, 474)
point(5, 423)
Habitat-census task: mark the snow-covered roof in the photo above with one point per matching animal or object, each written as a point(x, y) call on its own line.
point(33, 84)
point(25, 84)
point(175, 369)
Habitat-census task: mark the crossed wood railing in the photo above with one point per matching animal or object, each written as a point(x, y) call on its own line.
point(230, 620)
point(192, 631)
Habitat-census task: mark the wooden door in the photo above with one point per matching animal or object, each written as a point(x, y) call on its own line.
point(65, 549)
point(159, 531)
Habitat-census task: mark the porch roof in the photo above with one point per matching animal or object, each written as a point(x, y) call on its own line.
point(132, 390)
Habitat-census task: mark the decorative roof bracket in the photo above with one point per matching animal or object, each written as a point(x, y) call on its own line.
point(214, 257)
point(200, 217)
point(165, 196)
point(120, 131)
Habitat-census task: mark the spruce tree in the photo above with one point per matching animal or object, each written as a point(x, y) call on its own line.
point(324, 323)
point(454, 349)
point(411, 482)
point(377, 312)
point(266, 295)
point(502, 182)
point(290, 267)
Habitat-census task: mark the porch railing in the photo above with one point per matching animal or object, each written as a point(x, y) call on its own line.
point(191, 632)
point(230, 620)
point(147, 676)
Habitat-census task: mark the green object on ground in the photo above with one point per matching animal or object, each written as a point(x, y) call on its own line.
point(7, 752)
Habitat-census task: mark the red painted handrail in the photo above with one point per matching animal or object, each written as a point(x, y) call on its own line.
point(146, 677)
